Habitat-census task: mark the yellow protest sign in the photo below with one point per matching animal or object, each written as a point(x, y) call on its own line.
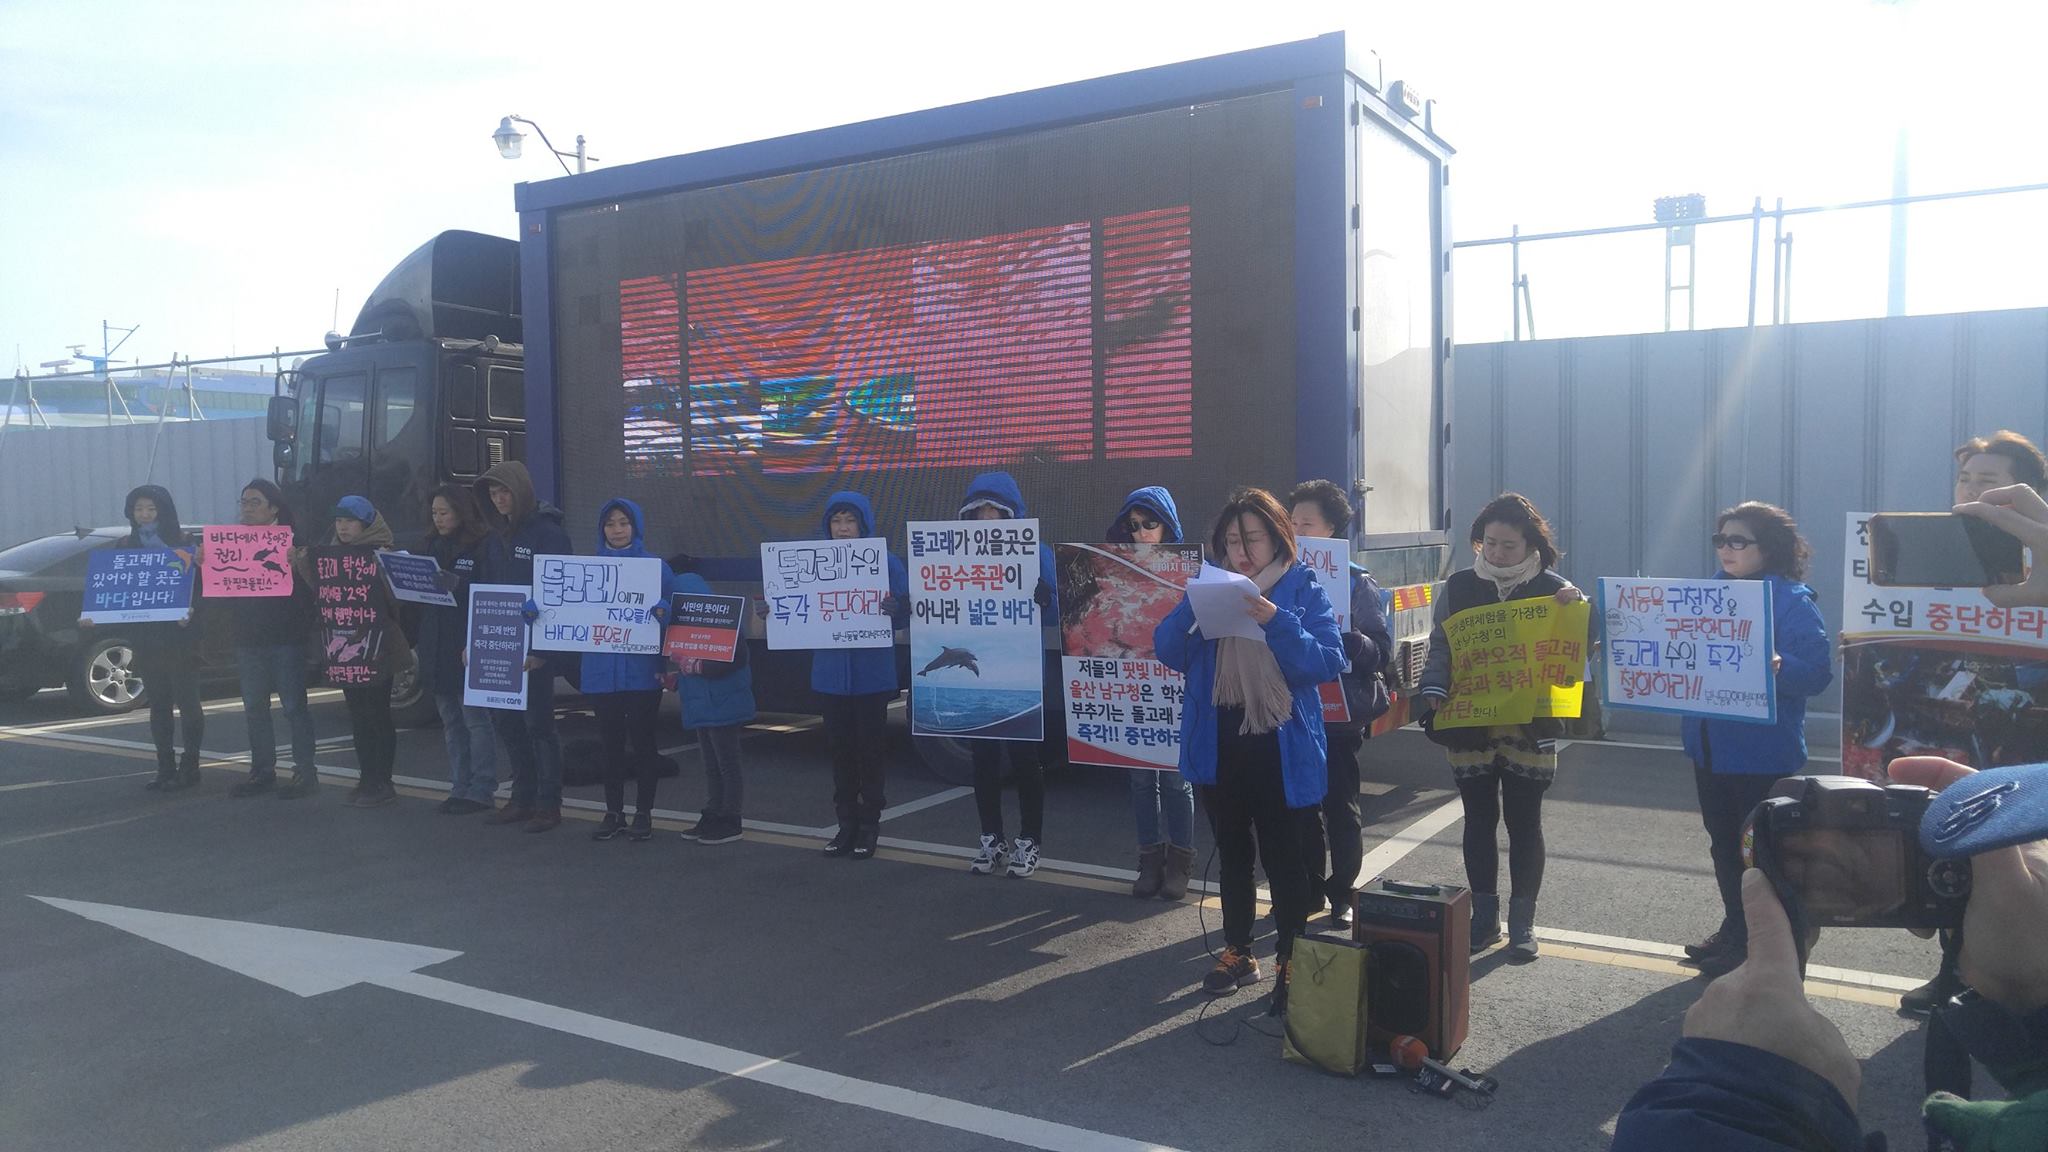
point(1514, 662)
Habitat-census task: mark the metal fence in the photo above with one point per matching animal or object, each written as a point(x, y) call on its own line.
point(1631, 444)
point(56, 479)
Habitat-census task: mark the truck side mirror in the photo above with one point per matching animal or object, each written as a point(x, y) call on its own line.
point(282, 419)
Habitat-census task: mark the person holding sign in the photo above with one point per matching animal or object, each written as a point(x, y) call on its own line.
point(1505, 769)
point(625, 691)
point(457, 546)
point(995, 496)
point(718, 700)
point(165, 651)
point(1735, 763)
point(1251, 728)
point(1158, 796)
point(358, 526)
point(855, 686)
point(1320, 510)
point(522, 528)
point(270, 655)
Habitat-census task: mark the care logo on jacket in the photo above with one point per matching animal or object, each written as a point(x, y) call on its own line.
point(522, 552)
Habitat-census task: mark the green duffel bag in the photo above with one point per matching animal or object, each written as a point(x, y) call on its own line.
point(1326, 1005)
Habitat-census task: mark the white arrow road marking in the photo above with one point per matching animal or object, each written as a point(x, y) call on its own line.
point(309, 963)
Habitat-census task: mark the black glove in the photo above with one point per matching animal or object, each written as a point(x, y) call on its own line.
point(1043, 595)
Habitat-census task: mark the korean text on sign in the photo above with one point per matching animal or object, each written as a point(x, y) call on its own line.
point(242, 560)
point(1692, 647)
point(352, 627)
point(136, 585)
point(1514, 662)
point(827, 593)
point(495, 675)
point(597, 604)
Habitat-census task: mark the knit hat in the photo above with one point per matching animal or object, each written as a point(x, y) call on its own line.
point(355, 508)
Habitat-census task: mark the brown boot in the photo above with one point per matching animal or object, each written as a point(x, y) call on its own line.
point(510, 814)
point(1180, 866)
point(1151, 871)
point(544, 820)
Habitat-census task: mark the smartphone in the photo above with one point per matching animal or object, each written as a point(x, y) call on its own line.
point(1941, 550)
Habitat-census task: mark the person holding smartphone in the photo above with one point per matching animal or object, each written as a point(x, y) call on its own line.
point(1735, 762)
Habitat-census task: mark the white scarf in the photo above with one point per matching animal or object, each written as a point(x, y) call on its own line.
point(1247, 675)
point(1506, 580)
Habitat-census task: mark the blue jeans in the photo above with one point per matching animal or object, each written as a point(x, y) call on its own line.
point(472, 749)
point(1153, 793)
point(279, 668)
point(531, 744)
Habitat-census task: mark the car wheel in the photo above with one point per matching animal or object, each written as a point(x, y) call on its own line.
point(411, 705)
point(104, 679)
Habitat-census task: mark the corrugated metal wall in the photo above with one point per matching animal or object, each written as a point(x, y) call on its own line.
point(1631, 444)
point(55, 479)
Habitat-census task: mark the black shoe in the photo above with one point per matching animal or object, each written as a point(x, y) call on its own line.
point(375, 796)
point(722, 830)
point(255, 785)
point(842, 843)
point(864, 842)
point(166, 781)
point(303, 784)
point(1340, 915)
point(1727, 960)
point(643, 826)
point(610, 827)
point(188, 774)
point(1716, 943)
point(1926, 998)
point(463, 806)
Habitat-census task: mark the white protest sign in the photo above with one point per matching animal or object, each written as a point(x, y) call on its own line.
point(827, 593)
point(976, 650)
point(1691, 647)
point(597, 604)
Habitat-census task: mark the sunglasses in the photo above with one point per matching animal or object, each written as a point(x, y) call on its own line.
point(1733, 543)
point(1141, 524)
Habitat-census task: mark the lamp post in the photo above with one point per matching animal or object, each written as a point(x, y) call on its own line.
point(510, 140)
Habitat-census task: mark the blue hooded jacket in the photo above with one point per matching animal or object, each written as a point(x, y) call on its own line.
point(1000, 489)
point(861, 671)
point(1153, 499)
point(714, 701)
point(618, 672)
point(1734, 748)
point(1303, 637)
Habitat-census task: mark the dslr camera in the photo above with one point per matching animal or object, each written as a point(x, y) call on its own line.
point(1845, 853)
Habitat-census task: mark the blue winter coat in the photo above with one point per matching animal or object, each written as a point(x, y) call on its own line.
point(717, 701)
point(861, 671)
point(1155, 500)
point(1737, 749)
point(614, 671)
point(1000, 489)
point(1303, 637)
point(1369, 603)
point(1718, 1096)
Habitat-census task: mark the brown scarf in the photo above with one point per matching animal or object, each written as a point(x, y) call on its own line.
point(1247, 675)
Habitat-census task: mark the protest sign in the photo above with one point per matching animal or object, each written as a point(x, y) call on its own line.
point(1937, 672)
point(975, 640)
point(1217, 596)
point(415, 579)
point(1330, 560)
point(1123, 705)
point(1514, 662)
point(704, 627)
point(246, 560)
point(1691, 647)
point(597, 604)
point(495, 675)
point(351, 626)
point(827, 593)
point(137, 585)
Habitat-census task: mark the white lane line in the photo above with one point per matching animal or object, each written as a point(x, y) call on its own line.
point(924, 802)
point(58, 783)
point(80, 828)
point(1400, 844)
point(1643, 746)
point(139, 717)
point(1850, 976)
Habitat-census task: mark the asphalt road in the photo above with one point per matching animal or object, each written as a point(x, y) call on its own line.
point(599, 985)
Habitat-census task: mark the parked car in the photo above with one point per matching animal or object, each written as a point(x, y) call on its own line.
point(42, 589)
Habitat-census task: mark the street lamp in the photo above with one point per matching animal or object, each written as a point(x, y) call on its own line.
point(510, 140)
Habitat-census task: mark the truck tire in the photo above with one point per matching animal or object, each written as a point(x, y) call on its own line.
point(411, 706)
point(949, 761)
point(103, 677)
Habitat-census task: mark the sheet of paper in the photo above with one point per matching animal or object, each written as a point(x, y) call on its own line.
point(1217, 596)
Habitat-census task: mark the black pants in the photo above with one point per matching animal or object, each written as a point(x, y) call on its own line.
point(1027, 759)
point(173, 684)
point(856, 727)
point(376, 737)
point(1726, 800)
point(1487, 798)
point(623, 716)
point(1249, 815)
point(1337, 826)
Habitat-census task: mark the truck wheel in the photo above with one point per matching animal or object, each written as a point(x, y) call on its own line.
point(411, 705)
point(949, 761)
point(103, 677)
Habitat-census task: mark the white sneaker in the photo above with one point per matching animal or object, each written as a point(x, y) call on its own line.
point(991, 857)
point(1023, 857)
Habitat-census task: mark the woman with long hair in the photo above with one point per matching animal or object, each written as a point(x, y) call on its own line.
point(1502, 771)
point(1735, 763)
point(165, 651)
point(457, 546)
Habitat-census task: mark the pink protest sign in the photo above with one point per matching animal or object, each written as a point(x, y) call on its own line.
point(240, 560)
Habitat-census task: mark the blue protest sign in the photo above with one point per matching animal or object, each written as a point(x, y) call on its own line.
point(134, 585)
point(416, 579)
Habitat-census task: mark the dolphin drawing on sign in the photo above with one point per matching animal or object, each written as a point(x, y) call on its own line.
point(953, 658)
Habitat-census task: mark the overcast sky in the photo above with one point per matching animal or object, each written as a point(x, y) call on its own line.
point(214, 172)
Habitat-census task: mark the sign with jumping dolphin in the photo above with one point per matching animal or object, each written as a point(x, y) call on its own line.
point(976, 651)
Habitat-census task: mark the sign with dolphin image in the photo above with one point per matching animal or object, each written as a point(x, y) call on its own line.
point(976, 650)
